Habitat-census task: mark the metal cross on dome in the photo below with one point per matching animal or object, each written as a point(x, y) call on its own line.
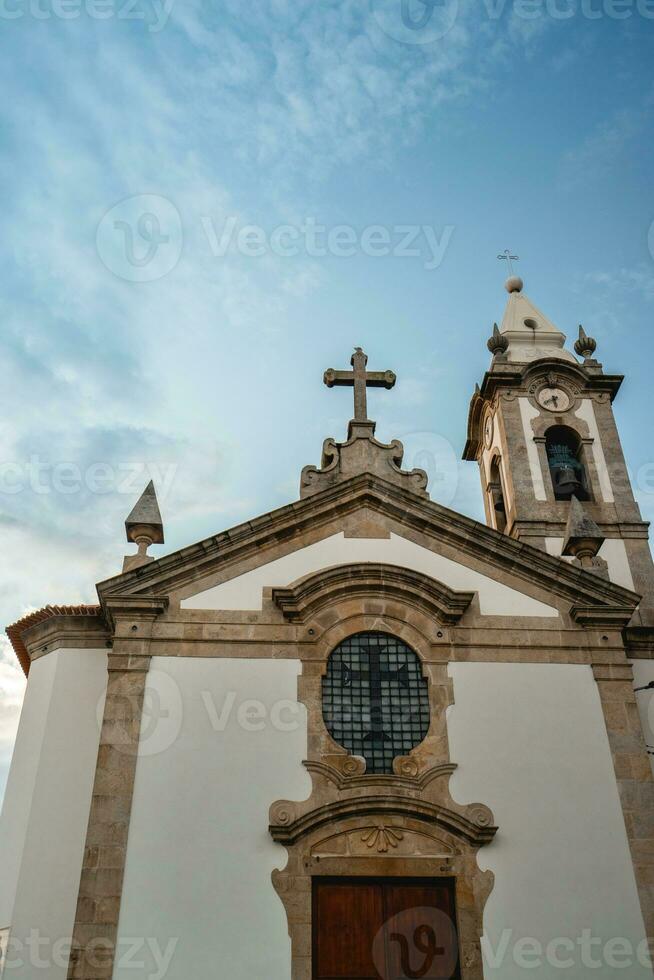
point(360, 379)
point(506, 255)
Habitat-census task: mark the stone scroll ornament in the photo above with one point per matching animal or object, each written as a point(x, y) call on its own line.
point(361, 452)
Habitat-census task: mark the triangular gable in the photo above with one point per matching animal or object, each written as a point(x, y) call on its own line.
point(249, 546)
point(245, 592)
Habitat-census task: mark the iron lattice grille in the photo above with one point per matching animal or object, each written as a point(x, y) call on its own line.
point(374, 699)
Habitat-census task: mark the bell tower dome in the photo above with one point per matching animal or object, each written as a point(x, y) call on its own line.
point(542, 430)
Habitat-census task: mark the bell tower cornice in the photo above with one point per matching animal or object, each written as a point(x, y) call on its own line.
point(522, 380)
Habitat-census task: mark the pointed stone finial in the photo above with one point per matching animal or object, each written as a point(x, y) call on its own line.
point(144, 526)
point(497, 343)
point(585, 346)
point(583, 539)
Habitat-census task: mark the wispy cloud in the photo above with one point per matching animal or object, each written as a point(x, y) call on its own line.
point(600, 152)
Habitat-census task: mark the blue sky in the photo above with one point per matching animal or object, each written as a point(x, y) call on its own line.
point(146, 333)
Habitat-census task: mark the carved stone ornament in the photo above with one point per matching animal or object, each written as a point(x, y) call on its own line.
point(382, 825)
point(361, 453)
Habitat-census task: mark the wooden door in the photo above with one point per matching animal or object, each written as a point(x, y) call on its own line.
point(384, 929)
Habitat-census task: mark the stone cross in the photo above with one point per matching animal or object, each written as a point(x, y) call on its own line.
point(359, 379)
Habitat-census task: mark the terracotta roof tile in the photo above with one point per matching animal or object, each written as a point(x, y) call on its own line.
point(16, 630)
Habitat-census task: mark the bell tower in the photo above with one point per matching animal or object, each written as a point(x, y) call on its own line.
point(542, 430)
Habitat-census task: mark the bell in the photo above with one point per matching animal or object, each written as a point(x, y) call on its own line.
point(566, 482)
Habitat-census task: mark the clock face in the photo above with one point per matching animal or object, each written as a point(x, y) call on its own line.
point(489, 428)
point(554, 399)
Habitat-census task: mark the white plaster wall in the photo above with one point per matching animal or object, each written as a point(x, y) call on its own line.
point(245, 591)
point(47, 805)
point(20, 783)
point(614, 553)
point(227, 739)
point(586, 412)
point(530, 742)
point(528, 413)
point(643, 675)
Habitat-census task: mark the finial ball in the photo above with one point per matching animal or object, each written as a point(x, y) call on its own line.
point(514, 284)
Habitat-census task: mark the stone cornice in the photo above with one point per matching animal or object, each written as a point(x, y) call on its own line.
point(359, 779)
point(137, 607)
point(610, 529)
point(302, 601)
point(285, 828)
point(428, 518)
point(639, 642)
point(56, 627)
point(602, 617)
point(519, 376)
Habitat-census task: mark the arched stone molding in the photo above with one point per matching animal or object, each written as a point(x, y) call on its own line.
point(382, 826)
point(319, 591)
point(570, 420)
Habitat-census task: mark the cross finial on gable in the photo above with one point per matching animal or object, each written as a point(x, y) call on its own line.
point(360, 379)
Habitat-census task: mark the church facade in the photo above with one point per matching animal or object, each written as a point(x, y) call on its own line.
point(362, 736)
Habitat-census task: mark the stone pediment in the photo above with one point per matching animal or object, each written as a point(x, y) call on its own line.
point(499, 557)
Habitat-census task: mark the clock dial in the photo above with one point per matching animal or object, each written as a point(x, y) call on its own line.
point(489, 428)
point(554, 399)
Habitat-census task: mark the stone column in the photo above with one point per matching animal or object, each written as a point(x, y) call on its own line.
point(98, 906)
point(633, 774)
